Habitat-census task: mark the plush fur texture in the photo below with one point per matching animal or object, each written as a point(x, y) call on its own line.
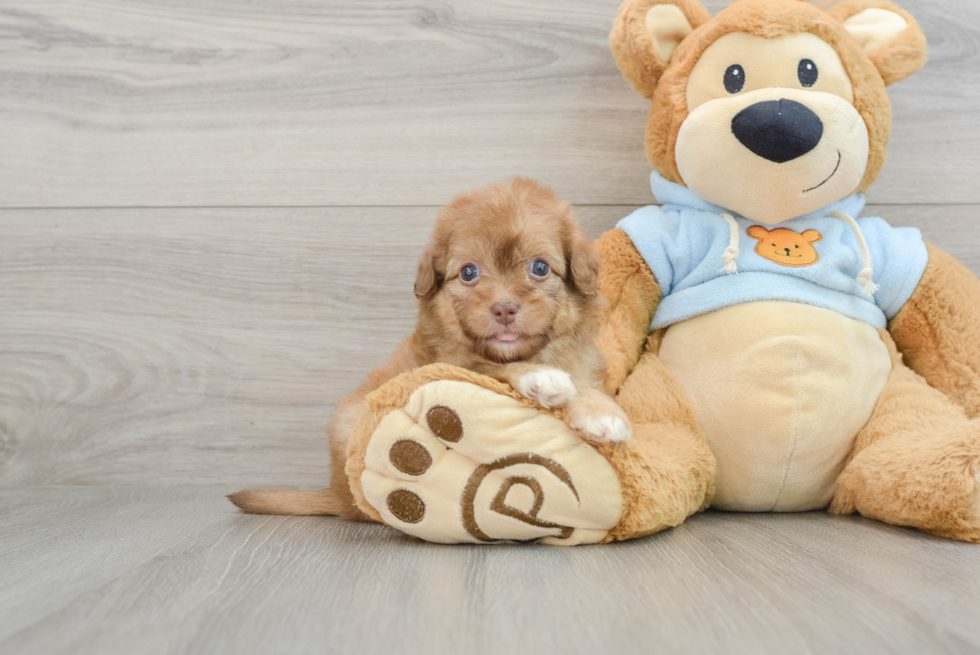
point(633, 296)
point(667, 84)
point(631, 43)
point(665, 470)
point(900, 58)
point(917, 461)
point(937, 330)
point(549, 350)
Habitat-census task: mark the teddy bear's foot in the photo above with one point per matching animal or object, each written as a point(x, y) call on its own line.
point(917, 462)
point(461, 463)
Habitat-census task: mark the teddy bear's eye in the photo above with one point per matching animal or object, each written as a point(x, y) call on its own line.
point(774, 245)
point(807, 72)
point(796, 246)
point(734, 78)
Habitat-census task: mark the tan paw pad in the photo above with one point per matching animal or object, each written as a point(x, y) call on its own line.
point(406, 505)
point(410, 457)
point(459, 463)
point(445, 423)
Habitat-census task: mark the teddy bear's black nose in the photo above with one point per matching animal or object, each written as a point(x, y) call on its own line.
point(778, 130)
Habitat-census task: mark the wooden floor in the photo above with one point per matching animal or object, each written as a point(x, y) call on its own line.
point(210, 214)
point(174, 570)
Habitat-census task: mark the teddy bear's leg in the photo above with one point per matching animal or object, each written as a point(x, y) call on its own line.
point(916, 462)
point(667, 470)
point(450, 456)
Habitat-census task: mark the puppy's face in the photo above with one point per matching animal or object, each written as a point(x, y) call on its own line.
point(508, 271)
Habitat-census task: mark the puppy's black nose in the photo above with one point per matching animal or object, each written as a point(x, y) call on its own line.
point(778, 130)
point(505, 312)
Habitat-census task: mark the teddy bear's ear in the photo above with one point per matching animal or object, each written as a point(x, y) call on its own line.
point(889, 35)
point(812, 236)
point(647, 32)
point(757, 232)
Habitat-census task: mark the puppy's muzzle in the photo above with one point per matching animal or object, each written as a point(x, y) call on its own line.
point(505, 312)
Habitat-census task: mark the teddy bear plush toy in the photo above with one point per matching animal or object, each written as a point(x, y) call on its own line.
point(773, 352)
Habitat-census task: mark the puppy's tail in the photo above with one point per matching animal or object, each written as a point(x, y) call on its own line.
point(299, 503)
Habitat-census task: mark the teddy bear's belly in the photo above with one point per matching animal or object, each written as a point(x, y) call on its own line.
point(780, 390)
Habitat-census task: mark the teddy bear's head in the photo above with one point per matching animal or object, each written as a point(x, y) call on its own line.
point(773, 108)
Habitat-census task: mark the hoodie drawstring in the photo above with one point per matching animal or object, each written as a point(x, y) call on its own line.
point(866, 277)
point(730, 256)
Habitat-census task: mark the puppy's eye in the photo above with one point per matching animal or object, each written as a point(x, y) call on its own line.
point(734, 79)
point(470, 274)
point(540, 269)
point(807, 72)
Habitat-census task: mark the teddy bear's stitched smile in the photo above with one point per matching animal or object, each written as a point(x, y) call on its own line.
point(836, 168)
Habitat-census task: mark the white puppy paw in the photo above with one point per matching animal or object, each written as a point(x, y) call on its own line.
point(549, 386)
point(603, 429)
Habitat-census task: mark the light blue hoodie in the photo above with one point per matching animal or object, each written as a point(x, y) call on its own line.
point(685, 241)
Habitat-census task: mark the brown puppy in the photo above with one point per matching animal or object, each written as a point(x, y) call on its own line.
point(508, 287)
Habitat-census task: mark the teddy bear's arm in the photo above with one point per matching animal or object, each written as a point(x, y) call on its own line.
point(632, 294)
point(938, 330)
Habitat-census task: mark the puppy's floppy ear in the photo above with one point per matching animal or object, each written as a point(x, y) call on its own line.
point(428, 279)
point(583, 265)
point(647, 32)
point(889, 36)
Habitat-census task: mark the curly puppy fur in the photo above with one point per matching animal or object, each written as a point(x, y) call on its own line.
point(501, 230)
point(665, 83)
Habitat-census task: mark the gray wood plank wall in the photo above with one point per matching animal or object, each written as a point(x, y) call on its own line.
point(210, 211)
